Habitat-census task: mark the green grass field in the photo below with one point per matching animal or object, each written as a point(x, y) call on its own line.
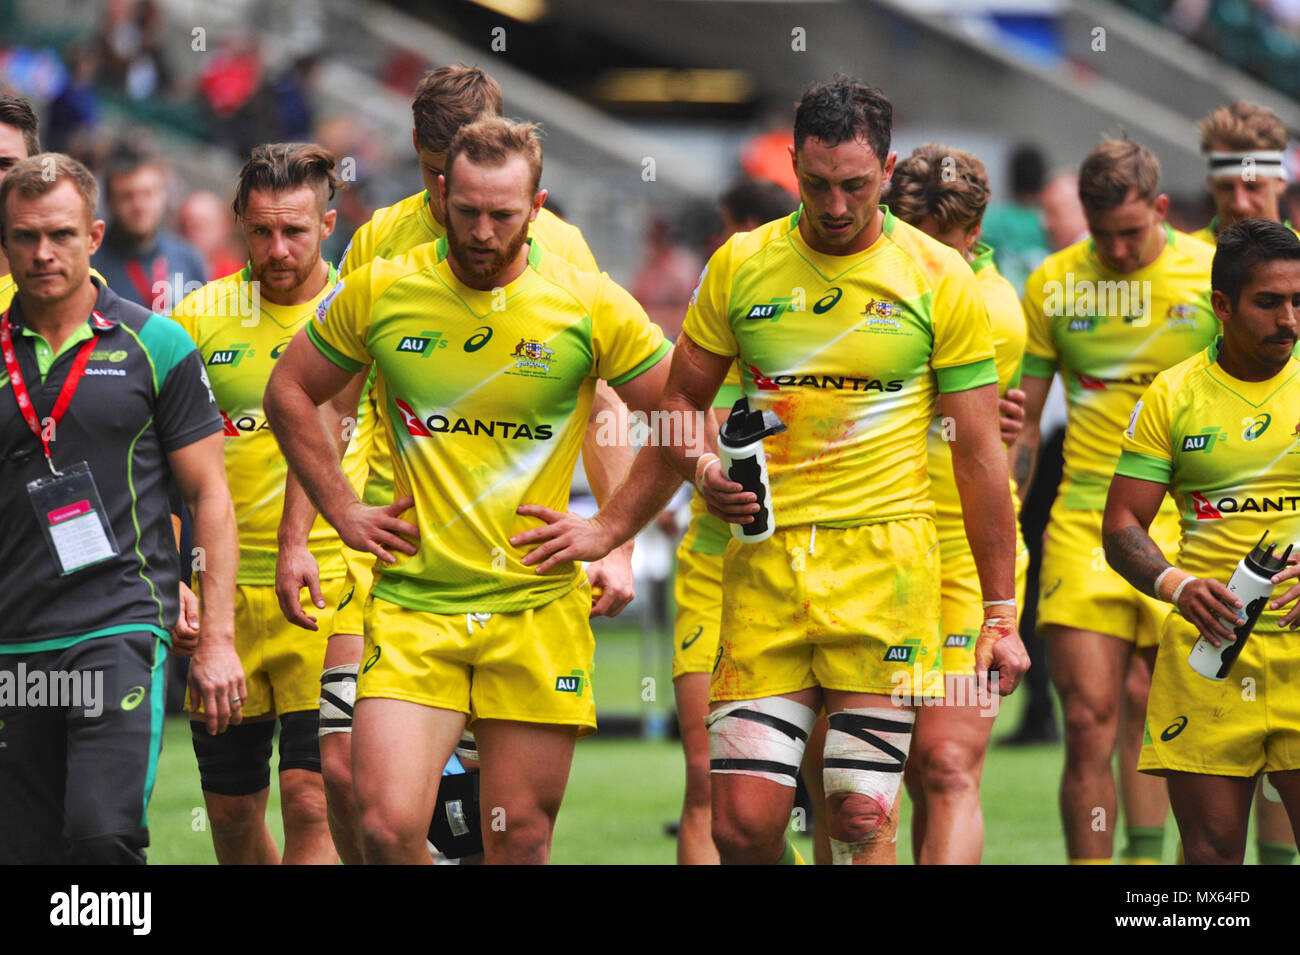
point(622, 791)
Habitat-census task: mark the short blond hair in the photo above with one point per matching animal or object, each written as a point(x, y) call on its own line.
point(1115, 168)
point(948, 184)
point(491, 141)
point(1242, 126)
point(39, 175)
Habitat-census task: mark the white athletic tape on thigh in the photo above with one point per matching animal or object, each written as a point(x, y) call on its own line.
point(865, 752)
point(467, 748)
point(764, 738)
point(338, 694)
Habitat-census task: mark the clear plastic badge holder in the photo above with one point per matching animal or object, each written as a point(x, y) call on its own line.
point(72, 519)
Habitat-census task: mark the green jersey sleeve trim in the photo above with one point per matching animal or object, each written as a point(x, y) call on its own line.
point(650, 361)
point(1020, 370)
point(966, 377)
point(167, 344)
point(983, 257)
point(1144, 467)
point(332, 353)
point(1036, 366)
point(728, 395)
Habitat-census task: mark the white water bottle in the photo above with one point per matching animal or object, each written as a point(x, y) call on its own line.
point(1252, 584)
point(740, 449)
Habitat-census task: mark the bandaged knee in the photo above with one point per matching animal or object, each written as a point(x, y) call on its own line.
point(864, 755)
point(338, 695)
point(763, 738)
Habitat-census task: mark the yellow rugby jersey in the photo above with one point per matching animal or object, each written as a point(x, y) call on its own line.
point(1230, 452)
point(7, 289)
point(850, 352)
point(494, 420)
point(1110, 335)
point(238, 359)
point(1210, 233)
point(1007, 321)
point(396, 230)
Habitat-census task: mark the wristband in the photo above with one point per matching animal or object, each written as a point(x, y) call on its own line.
point(1178, 591)
point(1009, 602)
point(1169, 583)
point(703, 465)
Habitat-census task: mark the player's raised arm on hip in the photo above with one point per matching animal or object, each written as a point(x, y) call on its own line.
point(980, 468)
point(1024, 452)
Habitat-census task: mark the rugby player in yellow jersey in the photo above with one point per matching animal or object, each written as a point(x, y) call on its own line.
point(446, 99)
point(281, 204)
point(1218, 432)
point(1243, 145)
point(841, 604)
point(458, 624)
point(943, 192)
point(1110, 313)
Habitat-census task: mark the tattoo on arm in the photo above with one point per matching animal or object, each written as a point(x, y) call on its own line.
point(1132, 552)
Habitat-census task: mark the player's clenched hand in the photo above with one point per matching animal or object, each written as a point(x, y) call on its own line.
point(1203, 602)
point(217, 679)
point(295, 568)
point(725, 498)
point(185, 635)
point(1011, 415)
point(998, 649)
point(1292, 571)
point(376, 530)
point(564, 536)
point(612, 574)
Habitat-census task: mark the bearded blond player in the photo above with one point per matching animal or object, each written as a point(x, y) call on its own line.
point(446, 99)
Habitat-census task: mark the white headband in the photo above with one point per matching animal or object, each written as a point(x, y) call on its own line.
point(1265, 163)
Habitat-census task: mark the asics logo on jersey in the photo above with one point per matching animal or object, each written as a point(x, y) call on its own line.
point(1174, 728)
point(1257, 427)
point(482, 335)
point(691, 638)
point(1206, 439)
point(133, 698)
point(374, 658)
point(229, 356)
point(828, 301)
point(278, 350)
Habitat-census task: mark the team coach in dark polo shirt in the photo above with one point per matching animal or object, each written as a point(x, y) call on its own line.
point(101, 403)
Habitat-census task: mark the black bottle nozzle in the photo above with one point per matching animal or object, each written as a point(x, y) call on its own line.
point(1265, 562)
point(745, 425)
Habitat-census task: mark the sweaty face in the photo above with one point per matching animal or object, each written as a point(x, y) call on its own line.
point(840, 189)
point(488, 211)
point(1130, 235)
point(137, 201)
point(284, 231)
point(1263, 323)
point(49, 241)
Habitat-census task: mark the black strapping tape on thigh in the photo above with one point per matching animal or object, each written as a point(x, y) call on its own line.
point(767, 719)
point(456, 828)
point(843, 763)
point(756, 765)
point(300, 741)
point(236, 762)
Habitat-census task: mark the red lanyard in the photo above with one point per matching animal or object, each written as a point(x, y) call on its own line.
point(142, 285)
point(20, 386)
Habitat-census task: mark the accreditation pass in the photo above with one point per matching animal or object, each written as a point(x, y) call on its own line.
point(71, 516)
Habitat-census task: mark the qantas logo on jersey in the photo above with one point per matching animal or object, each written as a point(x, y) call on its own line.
point(441, 424)
point(229, 356)
point(1205, 510)
point(1205, 441)
point(837, 382)
point(244, 424)
point(1089, 383)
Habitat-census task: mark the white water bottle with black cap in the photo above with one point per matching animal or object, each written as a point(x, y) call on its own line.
point(740, 449)
point(1252, 584)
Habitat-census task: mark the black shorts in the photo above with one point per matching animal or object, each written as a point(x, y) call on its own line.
point(79, 755)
